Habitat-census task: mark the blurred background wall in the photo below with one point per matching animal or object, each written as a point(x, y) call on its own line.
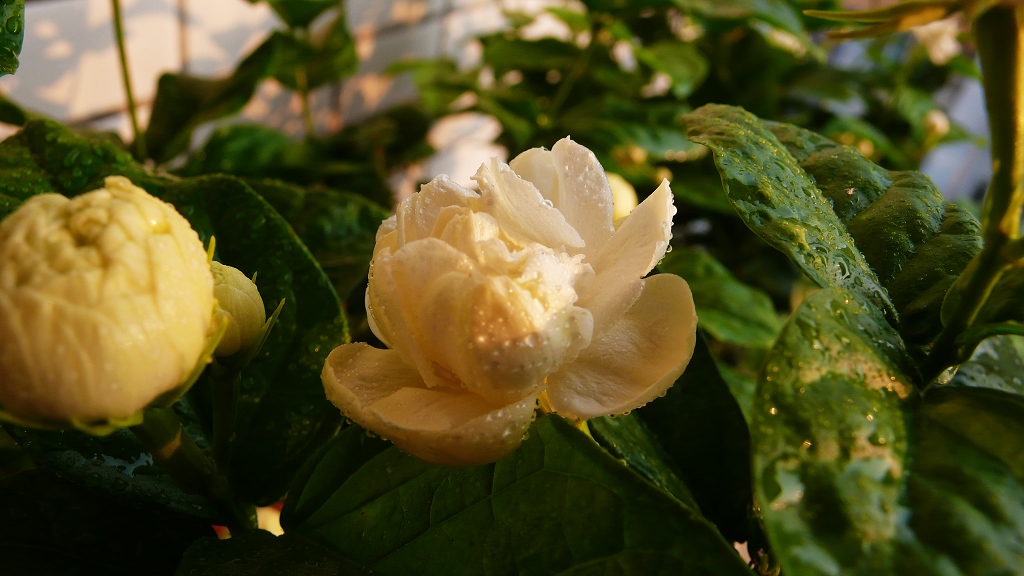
point(69, 71)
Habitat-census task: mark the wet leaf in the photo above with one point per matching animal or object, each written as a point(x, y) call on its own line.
point(560, 503)
point(836, 418)
point(12, 17)
point(779, 201)
point(997, 364)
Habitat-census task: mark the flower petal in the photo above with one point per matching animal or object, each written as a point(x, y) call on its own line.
point(574, 181)
point(636, 360)
point(524, 215)
point(381, 393)
point(634, 249)
point(417, 215)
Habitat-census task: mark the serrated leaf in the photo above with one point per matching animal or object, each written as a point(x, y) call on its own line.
point(283, 415)
point(727, 309)
point(703, 430)
point(780, 202)
point(835, 420)
point(560, 503)
point(259, 553)
point(54, 526)
point(12, 34)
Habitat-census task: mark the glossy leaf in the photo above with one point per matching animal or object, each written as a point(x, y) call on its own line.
point(703, 430)
point(339, 229)
point(829, 436)
point(54, 526)
point(835, 420)
point(627, 438)
point(259, 553)
point(779, 201)
point(283, 415)
point(117, 465)
point(12, 34)
point(997, 363)
point(916, 242)
point(727, 309)
point(558, 504)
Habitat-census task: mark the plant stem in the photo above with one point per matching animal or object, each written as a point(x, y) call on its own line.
point(139, 144)
point(175, 451)
point(578, 69)
point(999, 34)
point(224, 384)
point(307, 113)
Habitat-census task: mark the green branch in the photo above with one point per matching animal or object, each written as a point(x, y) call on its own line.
point(999, 34)
point(139, 144)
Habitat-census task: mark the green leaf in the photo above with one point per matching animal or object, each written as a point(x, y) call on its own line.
point(835, 421)
point(12, 17)
point(627, 438)
point(249, 150)
point(506, 54)
point(283, 415)
point(117, 465)
point(916, 242)
point(1005, 302)
point(340, 229)
point(997, 363)
point(54, 526)
point(681, 61)
point(779, 201)
point(727, 309)
point(184, 102)
point(965, 489)
point(299, 13)
point(779, 13)
point(703, 430)
point(558, 504)
point(259, 553)
point(829, 436)
point(326, 57)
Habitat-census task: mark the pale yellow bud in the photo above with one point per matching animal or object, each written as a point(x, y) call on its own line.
point(105, 304)
point(239, 301)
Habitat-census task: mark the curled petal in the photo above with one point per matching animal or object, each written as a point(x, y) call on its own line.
point(572, 179)
point(636, 360)
point(634, 249)
point(522, 212)
point(378, 391)
point(417, 215)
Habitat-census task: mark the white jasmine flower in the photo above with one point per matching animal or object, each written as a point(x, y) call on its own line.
point(105, 304)
point(487, 300)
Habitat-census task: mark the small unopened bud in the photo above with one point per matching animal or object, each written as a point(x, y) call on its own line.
point(936, 123)
point(239, 301)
